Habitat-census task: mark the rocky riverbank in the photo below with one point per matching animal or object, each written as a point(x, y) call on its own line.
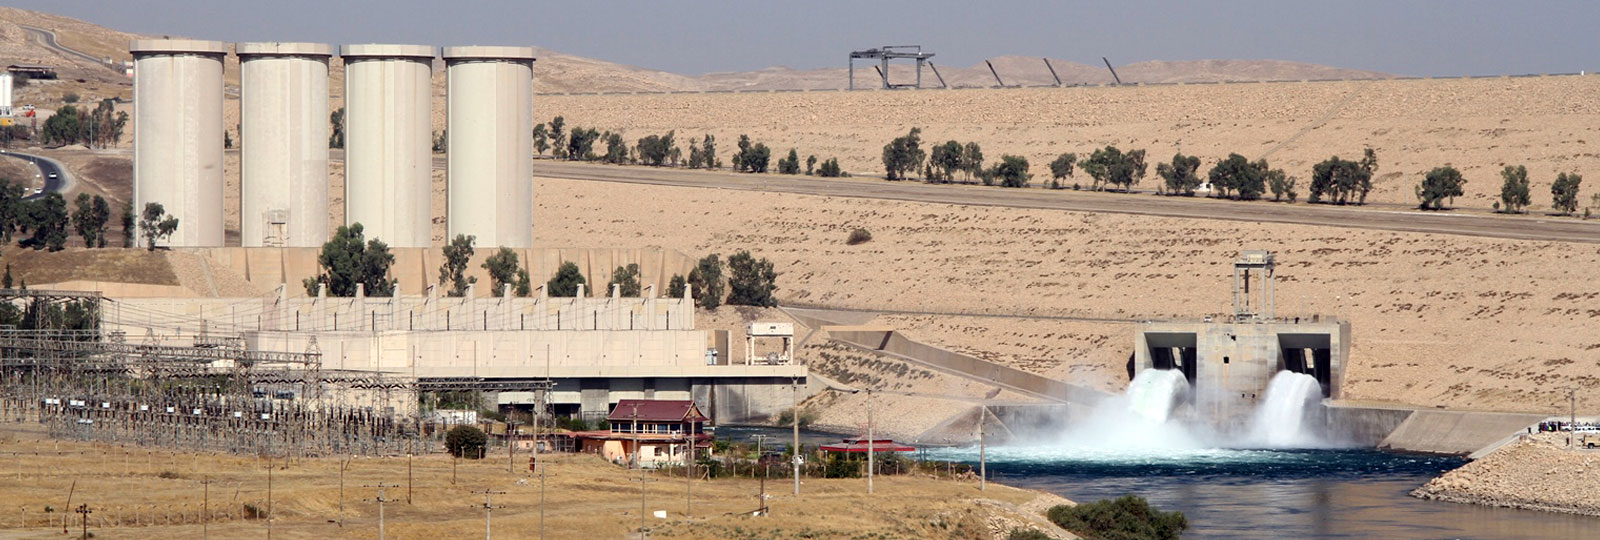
point(1536, 473)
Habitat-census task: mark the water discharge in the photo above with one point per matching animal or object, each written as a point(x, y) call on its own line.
point(1280, 421)
point(1155, 392)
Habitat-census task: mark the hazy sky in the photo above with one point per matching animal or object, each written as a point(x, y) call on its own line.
point(1396, 36)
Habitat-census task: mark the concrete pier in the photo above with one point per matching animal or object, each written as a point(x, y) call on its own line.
point(284, 118)
point(388, 156)
point(178, 135)
point(490, 144)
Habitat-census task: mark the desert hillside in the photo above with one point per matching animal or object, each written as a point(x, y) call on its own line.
point(1478, 125)
point(1436, 320)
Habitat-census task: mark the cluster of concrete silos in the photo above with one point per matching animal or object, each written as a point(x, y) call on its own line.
point(178, 141)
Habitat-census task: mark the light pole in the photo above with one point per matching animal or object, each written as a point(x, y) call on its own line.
point(794, 386)
point(983, 449)
point(871, 448)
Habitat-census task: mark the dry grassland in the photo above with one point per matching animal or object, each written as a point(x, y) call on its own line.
point(585, 497)
point(1437, 320)
point(1551, 124)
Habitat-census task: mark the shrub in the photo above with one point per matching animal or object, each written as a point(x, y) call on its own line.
point(859, 236)
point(169, 475)
point(254, 512)
point(786, 418)
point(1020, 533)
point(71, 98)
point(1128, 517)
point(466, 442)
point(675, 286)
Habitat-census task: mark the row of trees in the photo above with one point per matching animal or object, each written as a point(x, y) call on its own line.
point(48, 222)
point(350, 259)
point(97, 128)
point(1516, 194)
point(578, 144)
point(904, 156)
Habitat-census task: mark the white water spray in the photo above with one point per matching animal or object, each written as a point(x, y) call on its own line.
point(1280, 420)
point(1155, 392)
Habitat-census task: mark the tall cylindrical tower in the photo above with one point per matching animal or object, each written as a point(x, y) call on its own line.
point(177, 141)
point(388, 156)
point(284, 131)
point(490, 144)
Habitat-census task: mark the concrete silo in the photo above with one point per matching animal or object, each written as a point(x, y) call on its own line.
point(490, 144)
point(284, 117)
point(388, 141)
point(177, 141)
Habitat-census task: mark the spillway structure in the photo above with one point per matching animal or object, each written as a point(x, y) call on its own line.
point(178, 135)
point(388, 141)
point(490, 144)
point(284, 118)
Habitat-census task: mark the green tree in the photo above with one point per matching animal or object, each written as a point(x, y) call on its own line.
point(349, 259)
point(1515, 194)
point(467, 442)
point(1110, 167)
point(453, 272)
point(336, 129)
point(616, 149)
point(751, 281)
point(504, 269)
point(791, 164)
point(6, 282)
point(48, 219)
point(655, 150)
point(705, 281)
point(1012, 171)
point(1128, 517)
point(541, 139)
point(1439, 184)
point(103, 127)
point(566, 281)
point(13, 210)
point(1282, 185)
point(903, 155)
point(1341, 181)
point(972, 160)
point(1236, 177)
point(751, 157)
point(1062, 168)
point(1179, 175)
point(66, 126)
point(441, 141)
point(580, 144)
point(128, 229)
point(830, 169)
point(71, 98)
point(1564, 192)
point(675, 286)
point(558, 136)
point(89, 219)
point(155, 224)
point(811, 164)
point(944, 160)
point(703, 155)
point(626, 277)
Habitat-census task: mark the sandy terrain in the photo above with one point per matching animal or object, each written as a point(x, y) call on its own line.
point(1539, 473)
point(1438, 320)
point(586, 498)
point(1476, 124)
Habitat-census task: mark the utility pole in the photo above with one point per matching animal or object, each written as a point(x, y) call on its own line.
point(488, 508)
point(380, 501)
point(871, 448)
point(638, 458)
point(342, 466)
point(1572, 412)
point(84, 510)
point(688, 474)
point(205, 507)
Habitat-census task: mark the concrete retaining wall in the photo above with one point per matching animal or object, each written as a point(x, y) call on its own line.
point(1455, 432)
point(894, 344)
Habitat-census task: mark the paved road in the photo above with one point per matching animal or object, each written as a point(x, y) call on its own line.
point(47, 167)
point(47, 38)
point(1455, 223)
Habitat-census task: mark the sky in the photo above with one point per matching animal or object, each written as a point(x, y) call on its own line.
point(1420, 37)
